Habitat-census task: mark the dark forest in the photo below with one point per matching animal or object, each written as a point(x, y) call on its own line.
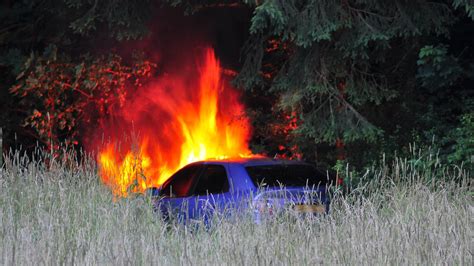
point(325, 81)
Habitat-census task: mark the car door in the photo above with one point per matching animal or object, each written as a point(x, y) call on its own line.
point(211, 191)
point(175, 193)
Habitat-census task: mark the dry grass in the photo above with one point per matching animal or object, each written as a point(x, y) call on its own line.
point(59, 213)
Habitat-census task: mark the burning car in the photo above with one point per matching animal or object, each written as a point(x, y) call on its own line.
point(264, 186)
point(183, 118)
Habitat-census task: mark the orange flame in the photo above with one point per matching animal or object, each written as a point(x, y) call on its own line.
point(182, 118)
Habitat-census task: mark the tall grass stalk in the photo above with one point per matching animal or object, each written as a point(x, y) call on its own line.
point(56, 211)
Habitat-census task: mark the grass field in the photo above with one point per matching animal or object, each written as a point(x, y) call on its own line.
point(60, 213)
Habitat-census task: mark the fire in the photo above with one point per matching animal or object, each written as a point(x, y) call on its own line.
point(182, 118)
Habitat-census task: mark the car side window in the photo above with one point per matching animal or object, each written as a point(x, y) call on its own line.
point(180, 183)
point(212, 181)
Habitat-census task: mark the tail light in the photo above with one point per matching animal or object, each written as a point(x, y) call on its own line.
point(264, 207)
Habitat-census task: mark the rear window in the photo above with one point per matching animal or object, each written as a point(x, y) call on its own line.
point(294, 175)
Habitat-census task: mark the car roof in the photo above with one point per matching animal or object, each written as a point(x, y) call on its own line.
point(253, 161)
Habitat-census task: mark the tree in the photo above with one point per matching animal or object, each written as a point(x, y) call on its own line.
point(316, 74)
point(325, 45)
point(63, 96)
point(60, 38)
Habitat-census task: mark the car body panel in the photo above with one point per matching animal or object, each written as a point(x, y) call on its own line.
point(242, 193)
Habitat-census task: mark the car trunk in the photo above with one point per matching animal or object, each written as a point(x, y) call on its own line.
point(299, 200)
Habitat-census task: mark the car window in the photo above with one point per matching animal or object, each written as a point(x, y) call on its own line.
point(300, 175)
point(212, 181)
point(180, 183)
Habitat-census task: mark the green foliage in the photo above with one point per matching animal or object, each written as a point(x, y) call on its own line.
point(33, 21)
point(13, 58)
point(190, 7)
point(330, 55)
point(125, 20)
point(467, 5)
point(373, 74)
point(463, 137)
point(437, 69)
point(446, 79)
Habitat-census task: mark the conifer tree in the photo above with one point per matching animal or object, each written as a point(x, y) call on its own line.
point(327, 60)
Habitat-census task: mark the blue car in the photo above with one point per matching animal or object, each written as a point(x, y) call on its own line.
point(262, 185)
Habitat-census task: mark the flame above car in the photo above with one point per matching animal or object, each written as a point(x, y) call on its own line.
point(182, 117)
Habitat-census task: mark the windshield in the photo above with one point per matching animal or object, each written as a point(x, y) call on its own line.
point(293, 175)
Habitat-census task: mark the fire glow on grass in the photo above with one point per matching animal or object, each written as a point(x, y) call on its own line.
point(181, 118)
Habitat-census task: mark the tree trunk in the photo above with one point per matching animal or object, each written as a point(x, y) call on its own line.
point(340, 151)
